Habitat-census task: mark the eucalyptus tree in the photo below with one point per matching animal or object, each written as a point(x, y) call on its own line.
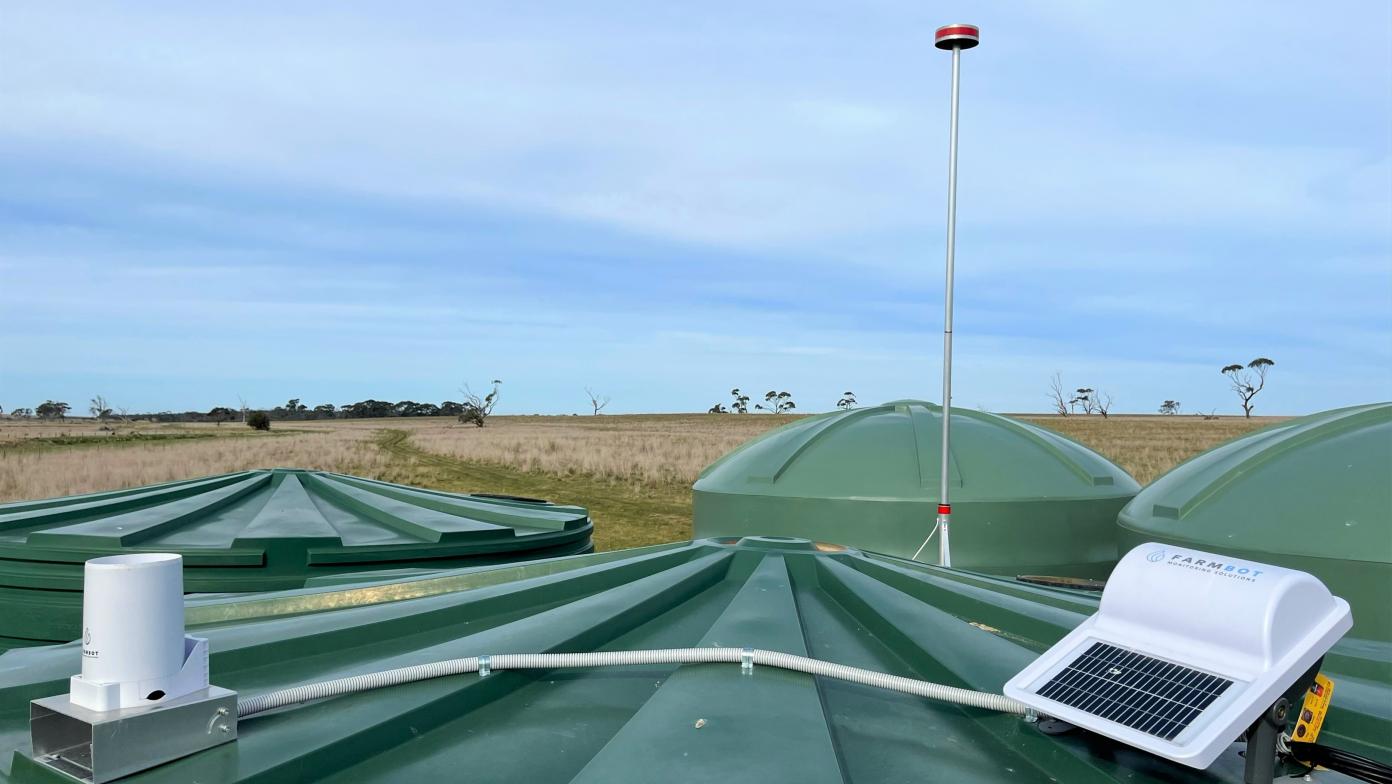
point(1248, 381)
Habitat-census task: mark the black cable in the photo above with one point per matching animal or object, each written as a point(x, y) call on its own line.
point(1345, 762)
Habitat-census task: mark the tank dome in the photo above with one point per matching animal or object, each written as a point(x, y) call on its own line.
point(1313, 493)
point(259, 531)
point(1024, 499)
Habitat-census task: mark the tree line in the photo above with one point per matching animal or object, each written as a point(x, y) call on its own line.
point(471, 409)
point(1245, 380)
point(293, 409)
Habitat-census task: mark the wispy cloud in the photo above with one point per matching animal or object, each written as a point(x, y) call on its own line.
point(685, 199)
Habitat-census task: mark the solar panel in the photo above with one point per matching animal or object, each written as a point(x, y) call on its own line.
point(1157, 697)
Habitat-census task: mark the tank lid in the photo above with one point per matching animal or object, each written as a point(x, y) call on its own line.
point(892, 451)
point(1316, 486)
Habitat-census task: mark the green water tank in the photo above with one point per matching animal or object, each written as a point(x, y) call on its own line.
point(1025, 500)
point(1313, 493)
point(674, 724)
point(260, 531)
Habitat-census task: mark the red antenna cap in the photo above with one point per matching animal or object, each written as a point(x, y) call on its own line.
point(957, 36)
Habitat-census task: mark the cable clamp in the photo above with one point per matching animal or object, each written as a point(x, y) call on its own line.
point(747, 661)
point(485, 666)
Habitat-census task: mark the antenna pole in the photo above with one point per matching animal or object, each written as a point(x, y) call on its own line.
point(955, 37)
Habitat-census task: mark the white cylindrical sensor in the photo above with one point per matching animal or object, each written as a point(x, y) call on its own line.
point(133, 618)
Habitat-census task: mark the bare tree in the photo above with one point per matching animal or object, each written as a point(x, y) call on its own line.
point(477, 409)
point(847, 401)
point(241, 401)
point(100, 410)
point(1169, 407)
point(1248, 381)
point(1056, 395)
point(1103, 402)
point(597, 401)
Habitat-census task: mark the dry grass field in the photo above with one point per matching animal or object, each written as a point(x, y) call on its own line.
point(633, 472)
point(42, 466)
point(1148, 446)
point(644, 450)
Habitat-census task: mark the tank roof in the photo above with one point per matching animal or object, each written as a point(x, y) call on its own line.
point(1025, 500)
point(261, 530)
point(893, 451)
point(1263, 490)
point(1313, 493)
point(691, 723)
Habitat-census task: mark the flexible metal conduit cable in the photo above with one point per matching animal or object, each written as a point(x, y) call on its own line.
point(746, 657)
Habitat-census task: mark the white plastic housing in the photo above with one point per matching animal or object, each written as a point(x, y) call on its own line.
point(134, 652)
point(1260, 626)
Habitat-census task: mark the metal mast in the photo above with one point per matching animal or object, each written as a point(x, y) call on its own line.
point(954, 37)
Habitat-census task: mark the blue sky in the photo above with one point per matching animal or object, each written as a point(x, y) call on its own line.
point(341, 201)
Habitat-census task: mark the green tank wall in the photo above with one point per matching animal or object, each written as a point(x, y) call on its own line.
point(638, 724)
point(259, 531)
point(1025, 500)
point(1313, 493)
